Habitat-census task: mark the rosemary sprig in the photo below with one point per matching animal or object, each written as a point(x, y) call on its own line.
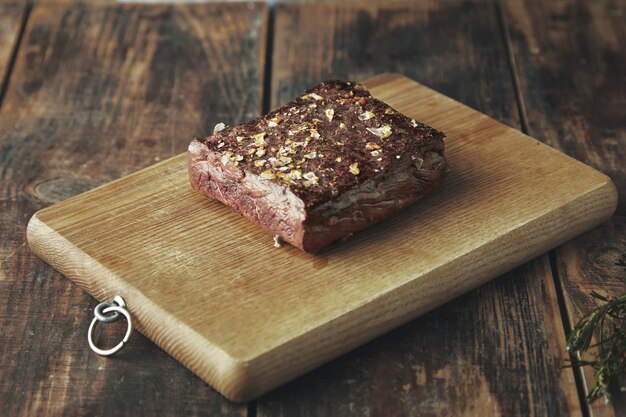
point(608, 323)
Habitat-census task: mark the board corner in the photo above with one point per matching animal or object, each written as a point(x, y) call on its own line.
point(385, 78)
point(36, 231)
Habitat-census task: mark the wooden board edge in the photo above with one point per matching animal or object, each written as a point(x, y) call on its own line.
point(213, 365)
point(356, 327)
point(384, 78)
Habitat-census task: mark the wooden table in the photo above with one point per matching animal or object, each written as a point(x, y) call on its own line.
point(92, 92)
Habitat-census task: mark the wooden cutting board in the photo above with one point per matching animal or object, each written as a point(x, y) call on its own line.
point(209, 287)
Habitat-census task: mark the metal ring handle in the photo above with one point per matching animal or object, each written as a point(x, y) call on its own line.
point(120, 345)
point(98, 311)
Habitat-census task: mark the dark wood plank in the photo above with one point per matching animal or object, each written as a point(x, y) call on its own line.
point(571, 66)
point(570, 61)
point(12, 15)
point(457, 55)
point(99, 91)
point(495, 351)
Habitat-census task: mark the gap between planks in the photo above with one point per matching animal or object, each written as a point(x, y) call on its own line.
point(266, 99)
point(4, 83)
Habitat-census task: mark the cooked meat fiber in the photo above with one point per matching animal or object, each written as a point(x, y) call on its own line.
point(330, 163)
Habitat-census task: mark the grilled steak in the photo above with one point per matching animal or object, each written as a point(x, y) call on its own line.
point(330, 163)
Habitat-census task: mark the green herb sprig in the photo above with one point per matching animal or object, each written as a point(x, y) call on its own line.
point(608, 323)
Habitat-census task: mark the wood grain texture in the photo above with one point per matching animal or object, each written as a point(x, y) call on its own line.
point(570, 63)
point(259, 333)
point(97, 92)
point(12, 15)
point(474, 356)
